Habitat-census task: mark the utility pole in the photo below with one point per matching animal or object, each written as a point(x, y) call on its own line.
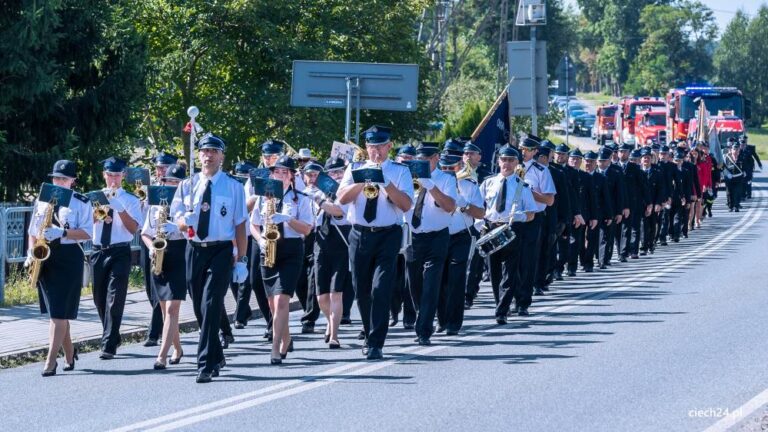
point(534, 119)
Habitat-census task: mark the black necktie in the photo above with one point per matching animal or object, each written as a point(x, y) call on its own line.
point(325, 225)
point(416, 221)
point(369, 214)
point(106, 230)
point(55, 220)
point(502, 201)
point(205, 214)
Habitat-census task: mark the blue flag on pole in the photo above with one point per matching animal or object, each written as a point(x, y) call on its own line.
point(493, 131)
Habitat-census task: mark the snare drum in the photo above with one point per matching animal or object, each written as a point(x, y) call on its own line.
point(495, 240)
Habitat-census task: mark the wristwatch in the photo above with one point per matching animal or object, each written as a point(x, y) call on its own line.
point(243, 259)
point(64, 234)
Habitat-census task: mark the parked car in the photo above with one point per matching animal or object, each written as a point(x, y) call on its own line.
point(583, 124)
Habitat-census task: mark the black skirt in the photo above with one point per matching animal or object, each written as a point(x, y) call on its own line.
point(171, 284)
point(283, 277)
point(332, 260)
point(61, 280)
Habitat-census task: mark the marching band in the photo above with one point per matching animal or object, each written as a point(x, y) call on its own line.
point(412, 235)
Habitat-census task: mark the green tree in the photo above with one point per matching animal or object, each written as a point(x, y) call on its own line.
point(71, 78)
point(756, 87)
point(731, 58)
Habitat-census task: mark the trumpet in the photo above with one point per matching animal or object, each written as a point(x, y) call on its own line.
point(416, 185)
point(359, 152)
point(370, 190)
point(140, 191)
point(111, 193)
point(100, 212)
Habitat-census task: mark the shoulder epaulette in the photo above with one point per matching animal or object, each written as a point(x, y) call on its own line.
point(538, 166)
point(81, 197)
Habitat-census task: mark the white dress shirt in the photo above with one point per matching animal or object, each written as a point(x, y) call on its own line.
point(150, 224)
point(319, 213)
point(491, 192)
point(227, 211)
point(540, 180)
point(434, 218)
point(295, 205)
point(387, 213)
point(470, 193)
point(79, 215)
point(120, 233)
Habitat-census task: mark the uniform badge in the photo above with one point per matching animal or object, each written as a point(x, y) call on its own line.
point(223, 211)
point(66, 225)
point(205, 207)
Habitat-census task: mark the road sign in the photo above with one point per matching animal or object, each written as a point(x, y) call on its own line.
point(566, 77)
point(382, 86)
point(519, 57)
point(531, 13)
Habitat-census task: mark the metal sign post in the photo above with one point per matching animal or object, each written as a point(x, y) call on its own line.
point(532, 13)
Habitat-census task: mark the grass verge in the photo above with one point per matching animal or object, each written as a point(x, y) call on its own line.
point(597, 98)
point(758, 137)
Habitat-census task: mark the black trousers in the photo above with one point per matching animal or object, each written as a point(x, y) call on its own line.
point(628, 233)
point(531, 243)
point(605, 250)
point(474, 270)
point(450, 308)
point(563, 248)
point(209, 272)
point(677, 216)
point(734, 188)
point(650, 228)
point(110, 286)
point(373, 255)
point(544, 257)
point(577, 248)
point(306, 290)
point(592, 247)
point(156, 321)
point(665, 223)
point(507, 266)
point(401, 293)
point(425, 273)
point(257, 283)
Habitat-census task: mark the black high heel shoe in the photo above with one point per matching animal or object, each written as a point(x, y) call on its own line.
point(50, 372)
point(290, 349)
point(71, 366)
point(276, 361)
point(176, 360)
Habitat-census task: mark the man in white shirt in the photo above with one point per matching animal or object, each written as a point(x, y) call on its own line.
point(508, 200)
point(429, 221)
point(111, 257)
point(210, 207)
point(376, 235)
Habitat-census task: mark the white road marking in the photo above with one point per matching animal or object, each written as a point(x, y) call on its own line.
point(244, 401)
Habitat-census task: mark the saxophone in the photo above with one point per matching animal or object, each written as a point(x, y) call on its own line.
point(40, 250)
point(271, 235)
point(160, 241)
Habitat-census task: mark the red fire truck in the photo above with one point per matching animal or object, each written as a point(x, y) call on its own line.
point(651, 127)
point(684, 102)
point(626, 113)
point(605, 123)
point(725, 124)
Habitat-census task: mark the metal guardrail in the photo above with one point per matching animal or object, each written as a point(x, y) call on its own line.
point(14, 222)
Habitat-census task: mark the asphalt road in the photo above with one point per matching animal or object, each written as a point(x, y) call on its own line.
point(584, 143)
point(670, 342)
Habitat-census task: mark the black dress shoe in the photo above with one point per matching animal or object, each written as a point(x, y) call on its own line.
point(501, 320)
point(267, 334)
point(408, 326)
point(307, 328)
point(334, 344)
point(106, 355)
point(424, 341)
point(558, 275)
point(603, 267)
point(538, 291)
point(361, 335)
point(159, 366)
point(416, 339)
point(451, 332)
point(523, 312)
point(275, 361)
point(623, 259)
point(467, 304)
point(365, 349)
point(663, 243)
point(393, 322)
point(589, 270)
point(571, 273)
point(634, 256)
point(440, 329)
point(150, 342)
point(176, 360)
point(224, 341)
point(204, 377)
point(374, 354)
point(239, 325)
point(345, 321)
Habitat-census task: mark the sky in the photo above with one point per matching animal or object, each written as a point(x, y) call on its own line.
point(723, 9)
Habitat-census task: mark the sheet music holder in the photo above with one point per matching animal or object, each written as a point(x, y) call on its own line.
point(160, 195)
point(262, 173)
point(419, 168)
point(58, 195)
point(328, 185)
point(269, 188)
point(134, 174)
point(98, 197)
point(363, 175)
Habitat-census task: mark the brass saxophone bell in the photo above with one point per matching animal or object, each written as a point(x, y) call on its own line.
point(159, 244)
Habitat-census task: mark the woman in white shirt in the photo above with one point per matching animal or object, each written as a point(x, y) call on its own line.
point(293, 218)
